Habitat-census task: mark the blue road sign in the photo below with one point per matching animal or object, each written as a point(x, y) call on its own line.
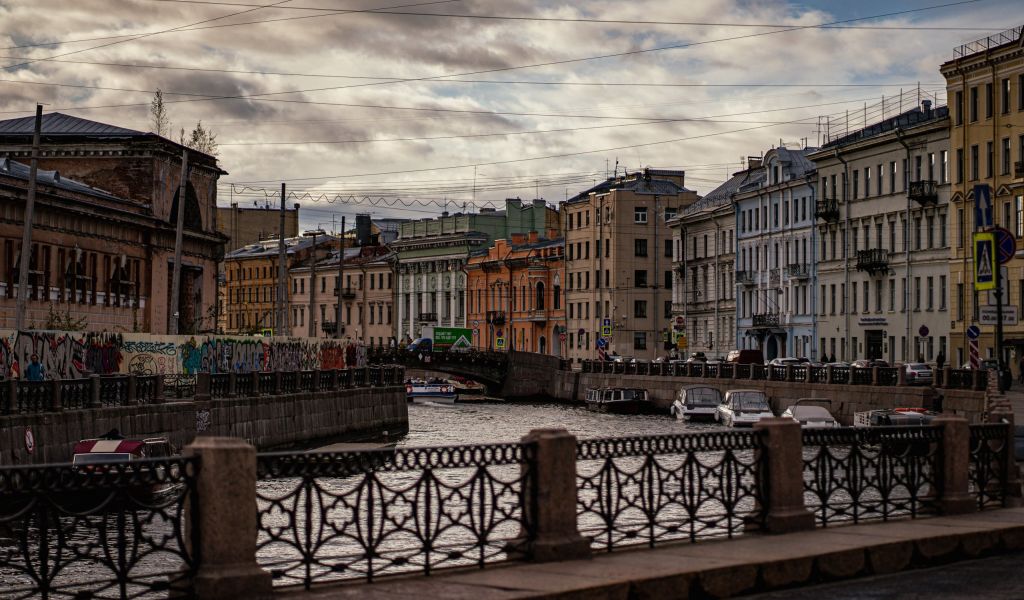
point(1006, 246)
point(973, 332)
point(601, 342)
point(982, 206)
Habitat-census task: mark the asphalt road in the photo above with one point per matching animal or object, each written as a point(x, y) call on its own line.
point(995, 578)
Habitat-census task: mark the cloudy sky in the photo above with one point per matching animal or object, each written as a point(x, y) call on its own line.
point(395, 107)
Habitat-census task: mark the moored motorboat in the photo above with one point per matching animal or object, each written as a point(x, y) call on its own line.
point(434, 391)
point(622, 401)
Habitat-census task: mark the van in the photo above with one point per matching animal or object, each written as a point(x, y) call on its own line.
point(746, 357)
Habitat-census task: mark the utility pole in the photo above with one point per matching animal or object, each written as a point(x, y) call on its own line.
point(281, 323)
point(178, 233)
point(341, 280)
point(26, 236)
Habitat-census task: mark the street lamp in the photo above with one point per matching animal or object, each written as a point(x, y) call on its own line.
point(312, 279)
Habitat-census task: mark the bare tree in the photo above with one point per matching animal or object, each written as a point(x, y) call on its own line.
point(158, 113)
point(201, 139)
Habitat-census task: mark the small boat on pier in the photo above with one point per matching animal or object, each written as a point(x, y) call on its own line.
point(621, 401)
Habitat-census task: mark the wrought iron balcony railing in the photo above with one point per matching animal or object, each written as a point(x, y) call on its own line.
point(745, 277)
point(826, 210)
point(874, 261)
point(766, 320)
point(774, 277)
point(923, 192)
point(347, 293)
point(537, 315)
point(495, 317)
point(798, 271)
point(427, 316)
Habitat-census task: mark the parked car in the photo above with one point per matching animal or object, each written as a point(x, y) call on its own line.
point(865, 363)
point(810, 414)
point(781, 362)
point(839, 363)
point(747, 356)
point(620, 359)
point(696, 402)
point(743, 408)
point(918, 374)
point(697, 357)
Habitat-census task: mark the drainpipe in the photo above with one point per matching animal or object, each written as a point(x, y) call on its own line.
point(906, 240)
point(718, 275)
point(813, 276)
point(846, 251)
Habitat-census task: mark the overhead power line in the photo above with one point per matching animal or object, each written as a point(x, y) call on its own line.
point(535, 65)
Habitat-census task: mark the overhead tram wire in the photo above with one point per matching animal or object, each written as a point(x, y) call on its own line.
point(535, 65)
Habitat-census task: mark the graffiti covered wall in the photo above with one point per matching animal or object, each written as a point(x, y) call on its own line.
point(69, 355)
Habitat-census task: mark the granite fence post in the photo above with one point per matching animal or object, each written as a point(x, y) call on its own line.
point(158, 389)
point(133, 389)
point(227, 521)
point(780, 465)
point(94, 395)
point(232, 384)
point(55, 400)
point(954, 497)
point(202, 387)
point(549, 499)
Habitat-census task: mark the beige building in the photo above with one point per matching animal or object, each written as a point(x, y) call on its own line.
point(367, 297)
point(985, 88)
point(618, 274)
point(703, 264)
point(882, 253)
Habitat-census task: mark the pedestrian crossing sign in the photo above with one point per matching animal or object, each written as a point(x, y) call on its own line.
point(984, 261)
point(499, 343)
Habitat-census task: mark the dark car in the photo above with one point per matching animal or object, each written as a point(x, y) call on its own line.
point(748, 356)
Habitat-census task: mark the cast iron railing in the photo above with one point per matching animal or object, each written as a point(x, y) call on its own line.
point(32, 396)
point(987, 466)
point(841, 374)
point(861, 375)
point(116, 531)
point(113, 391)
point(220, 385)
point(307, 381)
point(180, 386)
point(819, 374)
point(266, 384)
point(244, 385)
point(75, 393)
point(650, 490)
point(888, 376)
point(863, 473)
point(145, 389)
point(347, 515)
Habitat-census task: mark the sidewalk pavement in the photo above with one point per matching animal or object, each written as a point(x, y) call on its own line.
point(720, 568)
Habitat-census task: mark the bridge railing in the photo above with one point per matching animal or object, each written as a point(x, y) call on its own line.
point(361, 515)
point(22, 396)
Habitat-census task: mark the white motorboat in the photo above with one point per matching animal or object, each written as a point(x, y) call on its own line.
point(743, 408)
point(434, 391)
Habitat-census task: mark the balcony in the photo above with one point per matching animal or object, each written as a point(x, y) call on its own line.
point(827, 210)
point(428, 317)
point(874, 261)
point(923, 192)
point(1018, 169)
point(766, 320)
point(798, 271)
point(330, 327)
point(495, 317)
point(346, 293)
point(774, 277)
point(745, 277)
point(537, 315)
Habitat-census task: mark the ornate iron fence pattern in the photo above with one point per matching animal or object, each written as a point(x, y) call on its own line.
point(347, 515)
point(308, 381)
point(819, 374)
point(113, 391)
point(180, 386)
point(649, 490)
point(888, 376)
point(145, 388)
point(861, 376)
point(854, 474)
point(266, 383)
point(115, 532)
point(32, 396)
point(987, 466)
point(219, 385)
point(841, 374)
point(75, 393)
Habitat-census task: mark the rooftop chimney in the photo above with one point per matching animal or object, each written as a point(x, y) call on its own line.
point(518, 238)
point(926, 107)
point(534, 237)
point(753, 162)
point(363, 230)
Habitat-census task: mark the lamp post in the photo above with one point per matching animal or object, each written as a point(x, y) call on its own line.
point(312, 280)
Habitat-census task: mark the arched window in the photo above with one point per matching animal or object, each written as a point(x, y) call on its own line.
point(540, 295)
point(556, 294)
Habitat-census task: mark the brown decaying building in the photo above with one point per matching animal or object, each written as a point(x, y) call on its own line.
point(104, 251)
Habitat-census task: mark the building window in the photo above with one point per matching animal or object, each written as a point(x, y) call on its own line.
point(989, 159)
point(668, 309)
point(974, 162)
point(988, 100)
point(959, 165)
point(640, 278)
point(942, 292)
point(973, 108)
point(639, 340)
point(640, 247)
point(944, 166)
point(1005, 157)
point(640, 309)
point(640, 214)
point(959, 108)
point(668, 249)
point(856, 182)
point(1004, 93)
point(892, 177)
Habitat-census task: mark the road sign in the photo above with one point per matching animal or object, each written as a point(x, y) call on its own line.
point(561, 337)
point(975, 354)
point(973, 332)
point(1006, 246)
point(581, 331)
point(679, 321)
point(987, 315)
point(982, 206)
point(923, 331)
point(606, 331)
point(606, 322)
point(499, 343)
point(984, 261)
point(602, 343)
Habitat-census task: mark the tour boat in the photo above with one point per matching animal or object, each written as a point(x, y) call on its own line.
point(435, 391)
point(622, 401)
point(94, 458)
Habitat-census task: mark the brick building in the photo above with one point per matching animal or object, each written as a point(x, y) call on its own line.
point(247, 225)
point(514, 294)
point(103, 234)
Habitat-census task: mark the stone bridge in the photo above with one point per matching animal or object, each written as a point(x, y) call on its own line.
point(489, 368)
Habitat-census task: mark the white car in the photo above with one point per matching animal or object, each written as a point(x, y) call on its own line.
point(810, 416)
point(696, 402)
point(781, 362)
point(743, 408)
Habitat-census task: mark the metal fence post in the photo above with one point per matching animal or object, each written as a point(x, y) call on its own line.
point(227, 522)
point(954, 497)
point(133, 389)
point(232, 384)
point(549, 499)
point(781, 474)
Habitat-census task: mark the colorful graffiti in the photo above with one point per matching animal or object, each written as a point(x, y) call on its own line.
point(71, 355)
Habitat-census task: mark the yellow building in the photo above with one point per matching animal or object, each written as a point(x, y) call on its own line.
point(985, 91)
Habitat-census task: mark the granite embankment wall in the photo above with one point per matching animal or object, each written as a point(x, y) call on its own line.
point(537, 376)
point(267, 422)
